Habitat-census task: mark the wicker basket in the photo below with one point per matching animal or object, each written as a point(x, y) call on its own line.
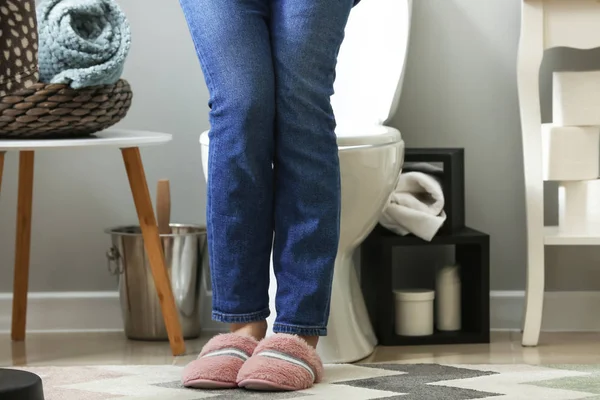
point(52, 111)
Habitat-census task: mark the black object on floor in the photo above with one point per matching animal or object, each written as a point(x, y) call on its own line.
point(472, 253)
point(20, 385)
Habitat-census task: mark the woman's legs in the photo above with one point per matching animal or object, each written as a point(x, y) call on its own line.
point(306, 36)
point(232, 40)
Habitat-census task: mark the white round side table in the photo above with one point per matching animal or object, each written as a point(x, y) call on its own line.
point(129, 142)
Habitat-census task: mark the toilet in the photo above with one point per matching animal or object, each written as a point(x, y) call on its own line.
point(368, 83)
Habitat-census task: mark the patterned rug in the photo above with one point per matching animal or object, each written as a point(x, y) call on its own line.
point(347, 382)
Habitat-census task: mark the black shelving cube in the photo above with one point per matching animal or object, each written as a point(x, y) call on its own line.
point(472, 253)
point(452, 180)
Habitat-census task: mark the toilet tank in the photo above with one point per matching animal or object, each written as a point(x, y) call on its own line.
point(371, 62)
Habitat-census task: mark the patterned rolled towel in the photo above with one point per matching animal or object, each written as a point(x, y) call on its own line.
point(82, 42)
point(18, 45)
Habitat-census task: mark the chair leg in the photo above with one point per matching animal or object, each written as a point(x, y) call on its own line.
point(143, 205)
point(22, 246)
point(531, 53)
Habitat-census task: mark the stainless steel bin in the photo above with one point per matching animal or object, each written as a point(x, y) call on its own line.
point(184, 252)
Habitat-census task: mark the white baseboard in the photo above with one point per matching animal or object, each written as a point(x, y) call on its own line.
point(100, 311)
point(563, 311)
point(77, 312)
point(66, 311)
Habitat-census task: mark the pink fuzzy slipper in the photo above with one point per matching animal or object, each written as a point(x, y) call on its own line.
point(219, 362)
point(281, 362)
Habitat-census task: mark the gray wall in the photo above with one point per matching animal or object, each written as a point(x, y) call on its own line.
point(460, 90)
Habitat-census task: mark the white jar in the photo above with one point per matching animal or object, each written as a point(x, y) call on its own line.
point(447, 299)
point(414, 312)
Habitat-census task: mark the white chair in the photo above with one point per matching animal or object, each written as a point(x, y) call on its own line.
point(545, 24)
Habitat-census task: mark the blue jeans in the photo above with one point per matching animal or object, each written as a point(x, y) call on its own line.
point(273, 175)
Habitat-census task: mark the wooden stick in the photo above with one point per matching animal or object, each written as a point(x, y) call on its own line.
point(163, 206)
point(143, 205)
point(22, 246)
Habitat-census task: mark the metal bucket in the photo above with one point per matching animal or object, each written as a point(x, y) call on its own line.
point(184, 250)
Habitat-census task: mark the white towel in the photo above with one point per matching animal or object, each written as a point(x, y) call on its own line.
point(417, 205)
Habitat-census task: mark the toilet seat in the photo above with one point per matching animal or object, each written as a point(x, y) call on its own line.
point(371, 62)
point(377, 135)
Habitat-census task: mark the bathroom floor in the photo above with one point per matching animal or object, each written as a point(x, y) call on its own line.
point(111, 348)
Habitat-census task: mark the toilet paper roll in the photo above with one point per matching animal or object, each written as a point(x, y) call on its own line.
point(570, 153)
point(578, 207)
point(576, 98)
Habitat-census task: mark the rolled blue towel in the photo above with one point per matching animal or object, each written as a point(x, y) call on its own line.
point(82, 42)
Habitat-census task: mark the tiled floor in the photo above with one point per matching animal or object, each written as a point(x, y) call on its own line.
point(112, 348)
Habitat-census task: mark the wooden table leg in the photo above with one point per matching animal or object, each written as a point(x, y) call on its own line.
point(143, 205)
point(22, 246)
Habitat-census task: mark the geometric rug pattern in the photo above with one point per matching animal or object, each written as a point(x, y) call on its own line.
point(344, 382)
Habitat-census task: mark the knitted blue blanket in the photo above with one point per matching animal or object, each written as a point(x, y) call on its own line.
point(82, 42)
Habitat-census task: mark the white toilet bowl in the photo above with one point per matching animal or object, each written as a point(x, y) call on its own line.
point(368, 85)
